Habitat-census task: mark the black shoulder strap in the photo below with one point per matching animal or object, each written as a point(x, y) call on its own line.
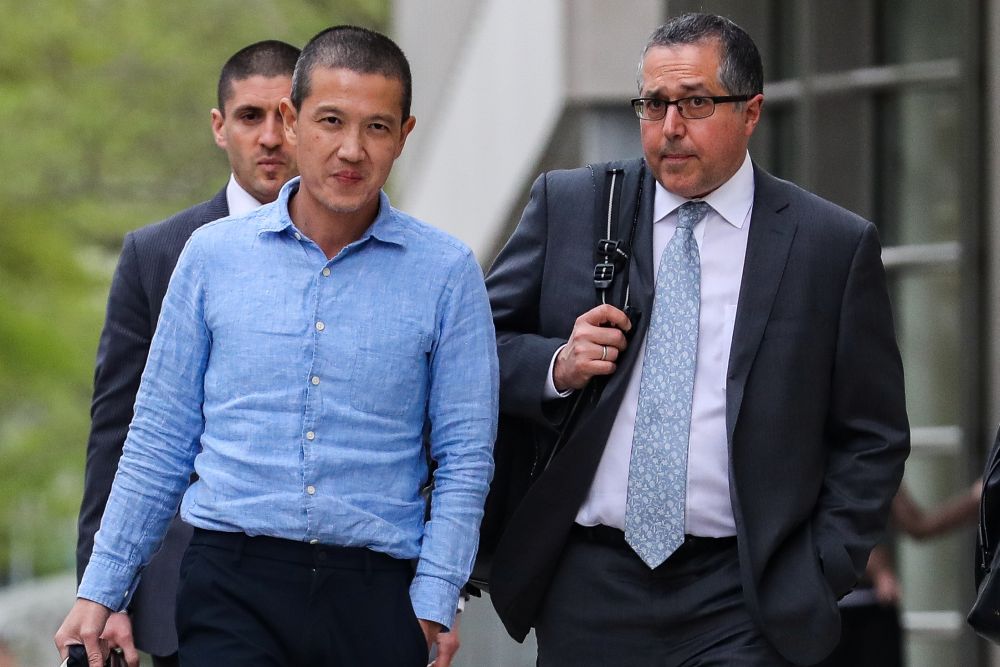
point(613, 247)
point(609, 255)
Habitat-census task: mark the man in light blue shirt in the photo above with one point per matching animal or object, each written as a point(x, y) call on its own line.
point(310, 357)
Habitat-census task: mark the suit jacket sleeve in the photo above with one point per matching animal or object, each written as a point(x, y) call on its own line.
point(867, 423)
point(514, 284)
point(121, 357)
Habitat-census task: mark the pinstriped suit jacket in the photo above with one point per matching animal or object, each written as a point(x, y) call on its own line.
point(147, 260)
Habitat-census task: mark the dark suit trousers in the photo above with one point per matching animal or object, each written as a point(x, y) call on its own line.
point(870, 636)
point(606, 607)
point(276, 603)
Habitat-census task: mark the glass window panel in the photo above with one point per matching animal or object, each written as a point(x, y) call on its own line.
point(841, 141)
point(917, 30)
point(933, 480)
point(762, 142)
point(771, 24)
point(774, 143)
point(782, 59)
point(926, 651)
point(608, 132)
point(843, 33)
point(926, 312)
point(920, 167)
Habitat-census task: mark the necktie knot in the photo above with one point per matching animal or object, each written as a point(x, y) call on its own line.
point(691, 213)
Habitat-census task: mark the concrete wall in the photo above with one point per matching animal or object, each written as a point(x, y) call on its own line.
point(491, 92)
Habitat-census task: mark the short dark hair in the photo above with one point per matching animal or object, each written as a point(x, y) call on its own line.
point(356, 49)
point(268, 58)
point(740, 69)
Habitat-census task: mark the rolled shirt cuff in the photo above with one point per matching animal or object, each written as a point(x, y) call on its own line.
point(434, 599)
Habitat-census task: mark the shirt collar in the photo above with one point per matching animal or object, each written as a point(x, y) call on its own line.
point(239, 201)
point(386, 227)
point(732, 200)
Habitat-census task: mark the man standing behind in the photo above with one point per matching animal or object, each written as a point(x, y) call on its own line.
point(303, 352)
point(728, 484)
point(247, 125)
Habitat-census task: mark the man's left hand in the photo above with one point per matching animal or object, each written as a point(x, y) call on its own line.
point(118, 635)
point(448, 644)
point(434, 632)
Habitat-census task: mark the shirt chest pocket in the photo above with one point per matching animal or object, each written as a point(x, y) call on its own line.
point(390, 374)
point(271, 309)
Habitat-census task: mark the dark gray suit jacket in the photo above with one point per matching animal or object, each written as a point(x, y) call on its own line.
point(815, 414)
point(147, 260)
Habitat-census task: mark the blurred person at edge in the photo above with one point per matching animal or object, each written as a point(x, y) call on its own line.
point(247, 126)
point(303, 352)
point(728, 484)
point(871, 634)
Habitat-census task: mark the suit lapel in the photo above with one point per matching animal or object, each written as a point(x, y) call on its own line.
point(218, 206)
point(641, 276)
point(641, 269)
point(772, 229)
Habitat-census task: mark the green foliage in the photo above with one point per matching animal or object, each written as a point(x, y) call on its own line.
point(105, 109)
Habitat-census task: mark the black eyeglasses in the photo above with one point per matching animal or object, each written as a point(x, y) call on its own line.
point(691, 108)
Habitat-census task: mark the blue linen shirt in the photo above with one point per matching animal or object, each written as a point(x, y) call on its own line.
point(300, 390)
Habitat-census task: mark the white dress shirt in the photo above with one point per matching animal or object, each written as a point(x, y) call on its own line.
point(722, 243)
point(240, 201)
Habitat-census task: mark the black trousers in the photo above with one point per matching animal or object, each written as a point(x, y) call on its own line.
point(269, 602)
point(606, 607)
point(870, 636)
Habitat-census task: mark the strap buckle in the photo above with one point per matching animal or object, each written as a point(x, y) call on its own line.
point(604, 275)
point(612, 250)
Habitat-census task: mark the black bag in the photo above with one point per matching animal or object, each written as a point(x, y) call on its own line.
point(78, 657)
point(523, 450)
point(517, 460)
point(984, 617)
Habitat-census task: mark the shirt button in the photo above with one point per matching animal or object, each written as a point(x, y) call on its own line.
point(326, 272)
point(310, 436)
point(311, 489)
point(313, 541)
point(298, 237)
point(315, 379)
point(320, 326)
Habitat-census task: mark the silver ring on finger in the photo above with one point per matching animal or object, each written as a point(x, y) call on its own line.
point(604, 352)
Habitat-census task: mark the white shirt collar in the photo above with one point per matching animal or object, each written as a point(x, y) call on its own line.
point(732, 200)
point(239, 200)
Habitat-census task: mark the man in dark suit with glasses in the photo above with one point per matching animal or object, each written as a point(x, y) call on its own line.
point(714, 501)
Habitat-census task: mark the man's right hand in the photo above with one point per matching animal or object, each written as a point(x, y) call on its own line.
point(84, 625)
point(598, 339)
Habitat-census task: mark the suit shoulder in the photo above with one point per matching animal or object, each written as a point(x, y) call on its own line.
point(177, 228)
point(586, 175)
point(430, 238)
point(809, 208)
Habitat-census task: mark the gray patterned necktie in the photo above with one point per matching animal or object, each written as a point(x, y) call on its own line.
point(657, 480)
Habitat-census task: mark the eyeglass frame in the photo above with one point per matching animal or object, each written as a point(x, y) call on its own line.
point(715, 99)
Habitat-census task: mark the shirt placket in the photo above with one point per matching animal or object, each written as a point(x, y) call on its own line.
point(322, 287)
